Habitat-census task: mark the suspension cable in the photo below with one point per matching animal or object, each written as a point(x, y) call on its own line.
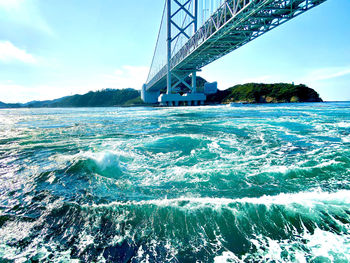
point(155, 49)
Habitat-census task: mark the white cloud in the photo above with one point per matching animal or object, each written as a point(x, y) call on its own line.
point(10, 4)
point(11, 93)
point(125, 77)
point(25, 13)
point(327, 73)
point(10, 53)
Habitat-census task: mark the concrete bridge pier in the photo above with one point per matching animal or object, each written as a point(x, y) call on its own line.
point(149, 96)
point(176, 99)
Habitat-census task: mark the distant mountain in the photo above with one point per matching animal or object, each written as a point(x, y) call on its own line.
point(265, 93)
point(10, 105)
point(102, 98)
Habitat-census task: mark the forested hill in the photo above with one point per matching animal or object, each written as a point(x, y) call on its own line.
point(102, 98)
point(265, 93)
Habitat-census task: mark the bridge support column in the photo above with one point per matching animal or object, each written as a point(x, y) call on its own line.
point(149, 96)
point(194, 82)
point(169, 40)
point(176, 99)
point(195, 22)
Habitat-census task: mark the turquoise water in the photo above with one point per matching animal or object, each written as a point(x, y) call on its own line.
point(246, 183)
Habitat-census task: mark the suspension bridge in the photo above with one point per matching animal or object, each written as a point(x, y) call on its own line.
point(195, 33)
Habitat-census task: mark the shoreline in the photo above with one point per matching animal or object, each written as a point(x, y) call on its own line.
point(158, 106)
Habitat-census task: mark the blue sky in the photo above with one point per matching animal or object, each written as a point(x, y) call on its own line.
point(54, 48)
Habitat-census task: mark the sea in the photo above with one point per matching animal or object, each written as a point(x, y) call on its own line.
point(228, 183)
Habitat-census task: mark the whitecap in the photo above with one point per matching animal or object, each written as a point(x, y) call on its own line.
point(319, 246)
point(343, 124)
point(308, 199)
point(226, 257)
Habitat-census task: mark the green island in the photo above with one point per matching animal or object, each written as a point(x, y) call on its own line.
point(246, 93)
point(265, 93)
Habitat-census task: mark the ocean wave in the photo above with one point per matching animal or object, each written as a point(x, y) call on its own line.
point(283, 228)
point(306, 199)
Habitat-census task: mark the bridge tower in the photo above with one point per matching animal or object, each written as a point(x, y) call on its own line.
point(183, 28)
point(193, 15)
point(175, 78)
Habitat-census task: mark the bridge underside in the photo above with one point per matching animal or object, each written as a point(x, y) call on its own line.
point(235, 23)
